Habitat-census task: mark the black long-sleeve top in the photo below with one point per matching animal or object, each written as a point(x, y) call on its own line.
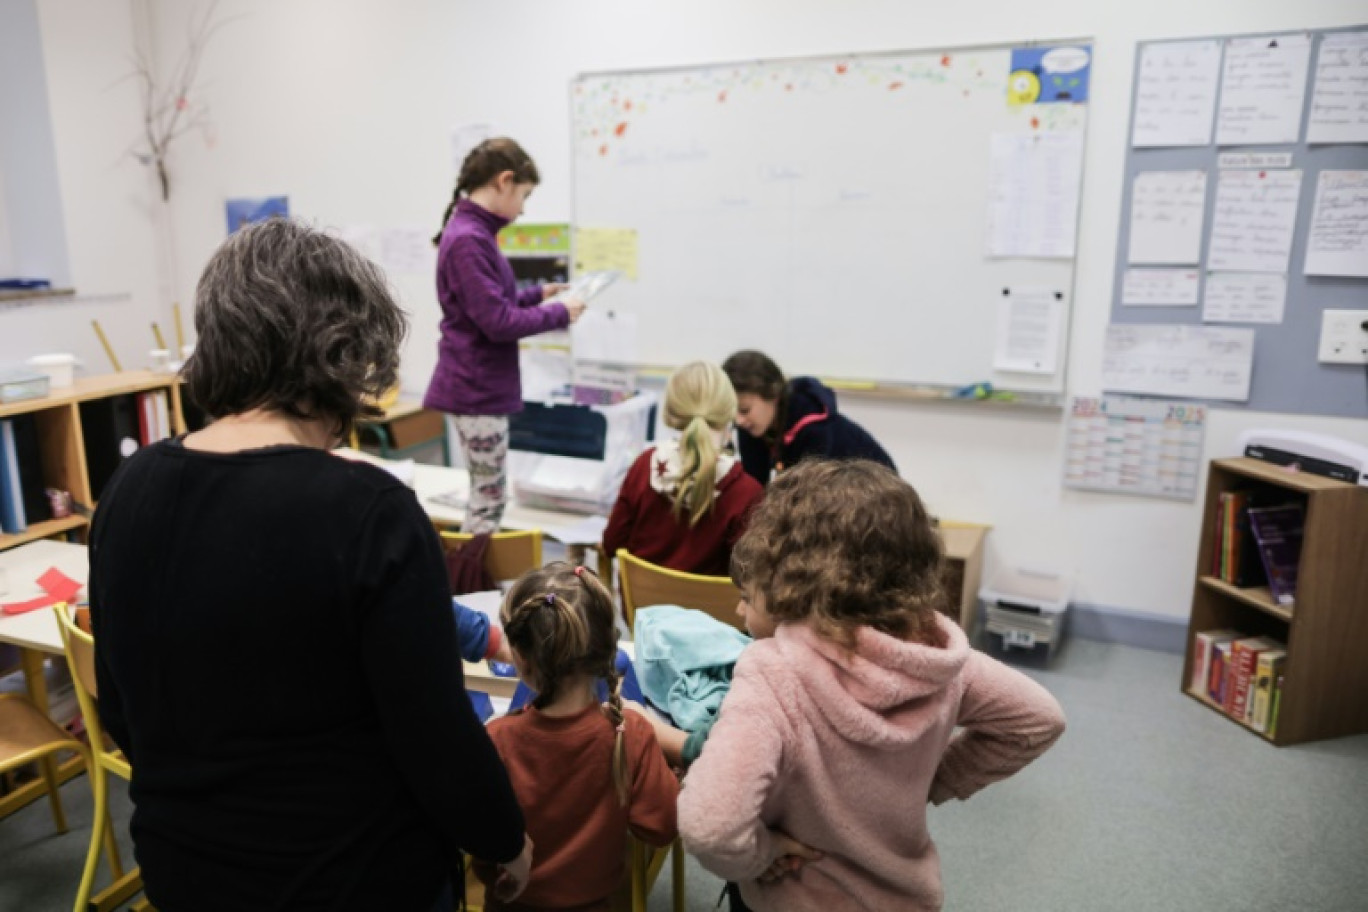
point(276, 655)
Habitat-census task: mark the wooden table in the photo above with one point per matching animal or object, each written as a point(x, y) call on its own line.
point(405, 427)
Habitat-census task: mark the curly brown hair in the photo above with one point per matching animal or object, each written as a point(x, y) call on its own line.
point(844, 544)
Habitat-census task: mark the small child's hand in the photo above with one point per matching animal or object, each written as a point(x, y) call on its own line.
point(551, 289)
point(789, 856)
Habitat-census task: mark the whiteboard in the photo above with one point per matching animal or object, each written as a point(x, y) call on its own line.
point(835, 212)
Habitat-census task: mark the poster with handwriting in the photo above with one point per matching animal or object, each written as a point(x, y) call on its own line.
point(1256, 213)
point(1030, 323)
point(1244, 297)
point(1175, 93)
point(1263, 87)
point(1339, 101)
point(1160, 287)
point(1194, 362)
point(1337, 242)
point(1033, 186)
point(1166, 217)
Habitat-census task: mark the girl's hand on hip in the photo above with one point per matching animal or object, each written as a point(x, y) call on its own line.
point(789, 856)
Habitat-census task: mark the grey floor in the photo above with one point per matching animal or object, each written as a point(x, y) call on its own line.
point(1150, 802)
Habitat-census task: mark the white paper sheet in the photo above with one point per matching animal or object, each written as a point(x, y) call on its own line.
point(1195, 362)
point(1135, 446)
point(1263, 87)
point(1028, 330)
point(1033, 193)
point(605, 335)
point(1256, 213)
point(365, 238)
point(1339, 101)
point(408, 251)
point(1166, 217)
point(1244, 297)
point(1337, 242)
point(465, 137)
point(1175, 93)
point(1160, 287)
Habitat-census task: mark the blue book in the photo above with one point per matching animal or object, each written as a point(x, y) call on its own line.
point(482, 705)
point(12, 518)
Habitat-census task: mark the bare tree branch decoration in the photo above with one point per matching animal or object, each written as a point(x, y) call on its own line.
point(171, 109)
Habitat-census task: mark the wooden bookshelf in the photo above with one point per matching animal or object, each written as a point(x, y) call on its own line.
point(61, 443)
point(1325, 676)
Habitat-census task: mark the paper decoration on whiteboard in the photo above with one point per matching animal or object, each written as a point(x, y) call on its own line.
point(1160, 287)
point(1263, 87)
point(606, 250)
point(1033, 187)
point(1030, 323)
point(1167, 208)
point(1193, 362)
point(1256, 213)
point(408, 251)
point(605, 336)
point(1244, 297)
point(246, 210)
point(1121, 445)
point(1337, 242)
point(1175, 93)
point(1048, 75)
point(1339, 102)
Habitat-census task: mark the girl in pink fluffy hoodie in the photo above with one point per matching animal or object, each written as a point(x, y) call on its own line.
point(841, 721)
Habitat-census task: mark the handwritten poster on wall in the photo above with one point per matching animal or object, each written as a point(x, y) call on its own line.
point(1263, 87)
point(1195, 362)
point(1033, 187)
point(1244, 297)
point(1256, 212)
point(1337, 242)
point(1175, 93)
point(1166, 217)
point(1339, 101)
point(1160, 287)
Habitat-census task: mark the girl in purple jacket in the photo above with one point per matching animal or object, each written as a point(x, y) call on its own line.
point(476, 382)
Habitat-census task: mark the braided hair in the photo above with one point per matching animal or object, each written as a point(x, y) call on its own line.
point(562, 621)
point(484, 163)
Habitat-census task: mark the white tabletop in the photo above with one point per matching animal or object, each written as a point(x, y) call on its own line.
point(22, 566)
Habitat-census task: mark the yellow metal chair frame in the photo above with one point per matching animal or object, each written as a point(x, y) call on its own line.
point(510, 554)
point(27, 736)
point(645, 584)
point(80, 655)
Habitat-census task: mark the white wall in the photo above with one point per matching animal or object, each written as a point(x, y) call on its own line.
point(346, 107)
point(107, 200)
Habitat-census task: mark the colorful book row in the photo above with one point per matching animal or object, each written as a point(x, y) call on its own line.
point(1242, 675)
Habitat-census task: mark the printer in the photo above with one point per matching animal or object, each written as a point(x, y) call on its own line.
point(1304, 451)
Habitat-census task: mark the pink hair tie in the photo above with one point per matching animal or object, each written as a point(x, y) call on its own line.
point(550, 598)
point(579, 571)
point(621, 728)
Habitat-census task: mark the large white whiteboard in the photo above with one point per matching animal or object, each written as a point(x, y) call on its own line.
point(833, 212)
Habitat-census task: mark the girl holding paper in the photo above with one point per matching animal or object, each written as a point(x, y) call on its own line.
point(477, 381)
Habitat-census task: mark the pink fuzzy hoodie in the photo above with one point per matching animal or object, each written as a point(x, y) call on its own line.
point(841, 749)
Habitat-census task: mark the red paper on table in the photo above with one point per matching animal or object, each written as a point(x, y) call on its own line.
point(41, 601)
point(58, 585)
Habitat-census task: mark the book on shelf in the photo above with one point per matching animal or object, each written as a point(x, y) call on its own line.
point(1268, 670)
point(1218, 672)
point(109, 428)
point(1278, 532)
point(1203, 643)
point(1244, 657)
point(23, 499)
point(1238, 562)
point(1272, 729)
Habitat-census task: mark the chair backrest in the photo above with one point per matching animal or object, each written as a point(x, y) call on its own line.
point(510, 554)
point(645, 584)
point(80, 655)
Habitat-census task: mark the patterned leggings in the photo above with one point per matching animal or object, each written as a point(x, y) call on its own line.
point(484, 444)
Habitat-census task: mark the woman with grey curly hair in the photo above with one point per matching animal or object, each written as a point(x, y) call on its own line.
point(275, 648)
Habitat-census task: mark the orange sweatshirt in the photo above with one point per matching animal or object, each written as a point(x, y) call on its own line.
point(562, 773)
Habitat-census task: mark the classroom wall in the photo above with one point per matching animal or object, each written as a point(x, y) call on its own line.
point(346, 106)
point(106, 211)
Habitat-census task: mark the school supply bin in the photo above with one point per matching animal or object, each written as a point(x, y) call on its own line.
point(1027, 610)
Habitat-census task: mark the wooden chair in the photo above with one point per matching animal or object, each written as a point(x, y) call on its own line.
point(645, 584)
point(27, 736)
point(510, 554)
point(80, 655)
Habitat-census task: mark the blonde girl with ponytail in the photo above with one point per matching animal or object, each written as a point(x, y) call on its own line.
point(585, 772)
point(685, 503)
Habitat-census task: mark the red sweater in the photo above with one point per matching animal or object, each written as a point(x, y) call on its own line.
point(562, 772)
point(643, 519)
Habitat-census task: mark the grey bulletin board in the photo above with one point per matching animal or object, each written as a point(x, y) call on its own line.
point(1287, 377)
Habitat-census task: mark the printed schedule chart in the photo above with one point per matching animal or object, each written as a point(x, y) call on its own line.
point(1121, 445)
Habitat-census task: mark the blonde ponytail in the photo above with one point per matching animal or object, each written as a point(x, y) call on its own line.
point(699, 402)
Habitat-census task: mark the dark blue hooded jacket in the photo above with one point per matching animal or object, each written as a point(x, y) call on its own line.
point(812, 427)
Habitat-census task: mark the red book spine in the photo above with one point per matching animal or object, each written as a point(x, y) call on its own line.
point(1246, 658)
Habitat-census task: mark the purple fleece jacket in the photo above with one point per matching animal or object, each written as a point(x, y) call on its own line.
point(841, 749)
point(483, 317)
